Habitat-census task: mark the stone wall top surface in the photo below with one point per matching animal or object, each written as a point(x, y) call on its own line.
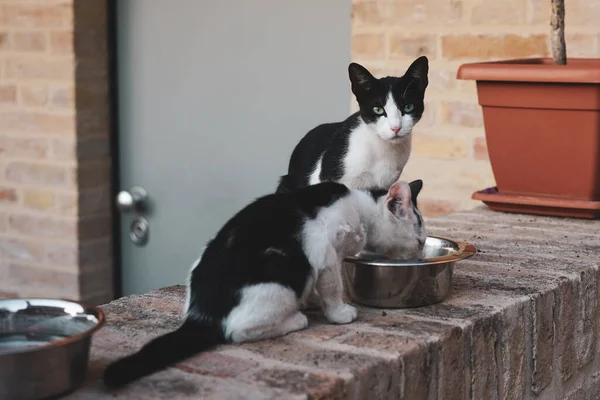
point(521, 321)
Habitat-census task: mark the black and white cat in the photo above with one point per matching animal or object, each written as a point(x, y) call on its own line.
point(256, 274)
point(370, 148)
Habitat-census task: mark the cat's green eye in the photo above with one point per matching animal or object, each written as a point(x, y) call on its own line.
point(408, 108)
point(378, 110)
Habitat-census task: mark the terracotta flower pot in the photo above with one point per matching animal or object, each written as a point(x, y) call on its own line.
point(542, 126)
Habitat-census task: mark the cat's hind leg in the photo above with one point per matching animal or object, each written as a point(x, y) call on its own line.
point(265, 311)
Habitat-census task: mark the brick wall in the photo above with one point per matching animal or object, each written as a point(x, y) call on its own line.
point(54, 150)
point(449, 150)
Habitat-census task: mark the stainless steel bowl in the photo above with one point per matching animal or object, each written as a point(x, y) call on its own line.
point(44, 346)
point(374, 280)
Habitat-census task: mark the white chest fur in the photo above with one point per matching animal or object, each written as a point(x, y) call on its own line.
point(372, 161)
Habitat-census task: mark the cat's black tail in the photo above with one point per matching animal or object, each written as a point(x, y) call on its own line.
point(191, 338)
point(286, 184)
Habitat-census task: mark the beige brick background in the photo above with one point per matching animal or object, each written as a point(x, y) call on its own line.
point(449, 151)
point(55, 167)
point(54, 150)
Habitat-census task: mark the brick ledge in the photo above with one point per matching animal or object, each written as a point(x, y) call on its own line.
point(520, 322)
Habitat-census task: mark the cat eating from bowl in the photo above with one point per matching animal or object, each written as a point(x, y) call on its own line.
point(256, 274)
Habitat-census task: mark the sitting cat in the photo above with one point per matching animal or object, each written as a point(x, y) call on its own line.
point(258, 271)
point(370, 148)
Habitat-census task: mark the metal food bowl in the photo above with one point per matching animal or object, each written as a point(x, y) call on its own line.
point(44, 346)
point(374, 280)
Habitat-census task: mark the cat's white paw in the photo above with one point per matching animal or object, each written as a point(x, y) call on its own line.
point(343, 314)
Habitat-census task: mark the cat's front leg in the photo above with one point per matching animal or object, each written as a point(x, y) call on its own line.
point(331, 290)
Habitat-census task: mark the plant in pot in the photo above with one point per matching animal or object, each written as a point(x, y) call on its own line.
point(542, 127)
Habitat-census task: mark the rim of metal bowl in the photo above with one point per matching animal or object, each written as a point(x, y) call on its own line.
point(465, 250)
point(67, 340)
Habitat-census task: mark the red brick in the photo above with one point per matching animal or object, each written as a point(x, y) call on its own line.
point(61, 42)
point(441, 80)
point(480, 151)
point(498, 364)
point(68, 204)
point(440, 147)
point(462, 114)
point(415, 368)
point(583, 45)
point(64, 149)
point(36, 174)
point(23, 147)
point(314, 386)
point(576, 394)
point(219, 365)
point(369, 12)
point(33, 94)
point(586, 293)
point(386, 343)
point(8, 93)
point(565, 322)
point(38, 14)
point(491, 46)
point(543, 341)
point(323, 332)
point(509, 12)
point(412, 46)
point(578, 12)
point(42, 226)
point(29, 41)
point(513, 350)
point(37, 123)
point(378, 376)
point(21, 249)
point(62, 96)
point(593, 387)
point(36, 199)
point(35, 279)
point(61, 254)
point(428, 118)
point(407, 12)
point(43, 69)
point(368, 45)
point(3, 221)
point(451, 370)
point(4, 39)
point(8, 195)
point(8, 295)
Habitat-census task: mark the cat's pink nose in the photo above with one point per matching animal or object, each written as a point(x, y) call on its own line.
point(395, 129)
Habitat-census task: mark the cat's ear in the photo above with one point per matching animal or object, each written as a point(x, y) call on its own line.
point(415, 189)
point(418, 70)
point(362, 80)
point(398, 200)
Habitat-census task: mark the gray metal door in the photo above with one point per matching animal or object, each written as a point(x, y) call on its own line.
point(213, 95)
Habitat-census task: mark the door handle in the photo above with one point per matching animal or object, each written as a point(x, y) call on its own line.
point(133, 200)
